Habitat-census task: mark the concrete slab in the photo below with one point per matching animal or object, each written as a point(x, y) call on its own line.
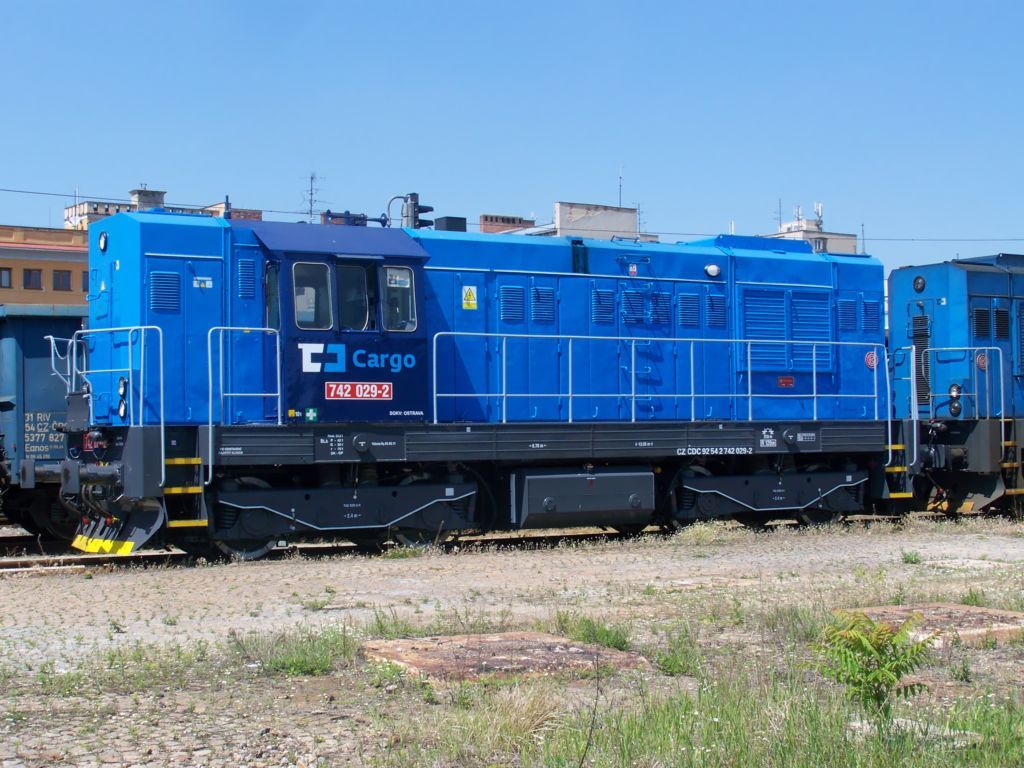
point(973, 625)
point(505, 654)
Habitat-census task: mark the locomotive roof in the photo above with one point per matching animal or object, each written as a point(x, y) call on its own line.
point(332, 239)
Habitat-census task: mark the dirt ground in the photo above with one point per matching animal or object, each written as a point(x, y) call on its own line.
point(732, 582)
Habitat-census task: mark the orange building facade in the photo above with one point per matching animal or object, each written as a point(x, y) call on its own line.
point(39, 265)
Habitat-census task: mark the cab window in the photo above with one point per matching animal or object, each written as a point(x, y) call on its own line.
point(353, 302)
point(313, 308)
point(399, 305)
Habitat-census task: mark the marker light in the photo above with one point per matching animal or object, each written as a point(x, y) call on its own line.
point(955, 407)
point(713, 270)
point(122, 409)
point(955, 391)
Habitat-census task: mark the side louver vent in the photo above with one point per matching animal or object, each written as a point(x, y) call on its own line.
point(872, 316)
point(632, 307)
point(165, 291)
point(688, 310)
point(602, 306)
point(246, 279)
point(982, 322)
point(511, 304)
point(716, 311)
point(1002, 323)
point(661, 308)
point(847, 315)
point(542, 305)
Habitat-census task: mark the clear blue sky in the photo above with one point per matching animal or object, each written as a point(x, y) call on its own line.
point(908, 117)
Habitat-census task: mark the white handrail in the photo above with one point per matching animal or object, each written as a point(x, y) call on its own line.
point(971, 363)
point(133, 332)
point(220, 331)
point(878, 349)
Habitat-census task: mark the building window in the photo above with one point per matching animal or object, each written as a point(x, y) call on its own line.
point(85, 282)
point(33, 279)
point(5, 277)
point(62, 279)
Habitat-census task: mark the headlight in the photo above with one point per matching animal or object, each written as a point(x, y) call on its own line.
point(955, 407)
point(122, 387)
point(955, 391)
point(122, 409)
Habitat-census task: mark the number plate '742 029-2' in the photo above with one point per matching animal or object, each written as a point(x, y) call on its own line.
point(358, 390)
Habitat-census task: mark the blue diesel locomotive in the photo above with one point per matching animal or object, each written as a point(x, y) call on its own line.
point(956, 337)
point(246, 383)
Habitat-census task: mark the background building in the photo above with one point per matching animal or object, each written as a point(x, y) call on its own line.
point(39, 265)
point(601, 222)
point(85, 212)
point(813, 232)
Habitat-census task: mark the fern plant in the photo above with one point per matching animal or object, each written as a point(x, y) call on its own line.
point(871, 658)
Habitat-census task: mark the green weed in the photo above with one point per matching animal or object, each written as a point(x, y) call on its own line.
point(584, 629)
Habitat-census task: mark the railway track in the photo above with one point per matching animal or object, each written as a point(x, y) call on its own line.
point(29, 554)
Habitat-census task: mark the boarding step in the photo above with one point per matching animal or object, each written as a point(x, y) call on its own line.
point(181, 489)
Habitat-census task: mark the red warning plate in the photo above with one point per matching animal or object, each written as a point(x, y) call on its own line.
point(358, 390)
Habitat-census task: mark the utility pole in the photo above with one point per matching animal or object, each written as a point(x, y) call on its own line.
point(311, 195)
point(620, 186)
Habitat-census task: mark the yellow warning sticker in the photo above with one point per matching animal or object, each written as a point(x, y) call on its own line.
point(469, 297)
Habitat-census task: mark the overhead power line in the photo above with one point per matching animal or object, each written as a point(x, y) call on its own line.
point(661, 233)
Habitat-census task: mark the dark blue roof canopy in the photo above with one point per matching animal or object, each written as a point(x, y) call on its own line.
point(332, 239)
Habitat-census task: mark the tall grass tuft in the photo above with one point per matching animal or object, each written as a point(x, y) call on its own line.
point(299, 652)
point(584, 629)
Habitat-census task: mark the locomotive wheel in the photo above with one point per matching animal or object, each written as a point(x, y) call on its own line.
point(818, 517)
point(672, 523)
point(254, 549)
point(630, 530)
point(246, 550)
point(417, 537)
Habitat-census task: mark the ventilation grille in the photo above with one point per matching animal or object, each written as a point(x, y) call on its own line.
point(688, 310)
point(165, 291)
point(982, 322)
point(716, 311)
point(848, 315)
point(602, 306)
point(872, 316)
point(542, 305)
point(511, 303)
point(764, 317)
point(810, 322)
point(246, 279)
point(1002, 323)
point(632, 307)
point(920, 334)
point(661, 308)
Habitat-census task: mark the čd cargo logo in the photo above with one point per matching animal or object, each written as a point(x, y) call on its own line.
point(333, 358)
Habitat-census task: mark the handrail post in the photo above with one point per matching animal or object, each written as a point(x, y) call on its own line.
point(632, 382)
point(434, 373)
point(693, 387)
point(504, 381)
point(874, 379)
point(750, 384)
point(570, 379)
point(814, 381)
point(220, 374)
point(277, 345)
point(209, 407)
